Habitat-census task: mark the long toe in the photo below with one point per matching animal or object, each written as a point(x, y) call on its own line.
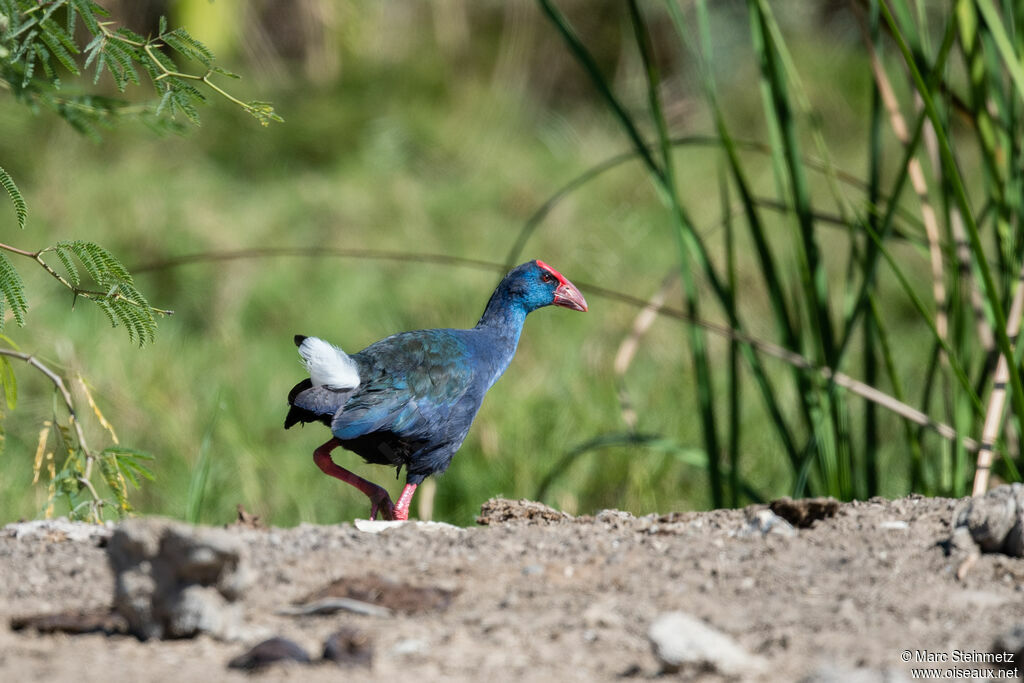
point(381, 503)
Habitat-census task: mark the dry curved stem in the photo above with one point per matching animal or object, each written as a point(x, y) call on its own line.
point(917, 180)
point(65, 395)
point(628, 348)
point(793, 358)
point(997, 399)
point(931, 227)
point(986, 337)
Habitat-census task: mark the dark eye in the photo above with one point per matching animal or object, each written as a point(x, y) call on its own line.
point(547, 277)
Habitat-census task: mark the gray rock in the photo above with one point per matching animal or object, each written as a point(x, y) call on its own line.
point(683, 641)
point(995, 521)
point(176, 581)
point(764, 522)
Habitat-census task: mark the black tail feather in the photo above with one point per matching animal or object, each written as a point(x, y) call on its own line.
point(318, 404)
point(295, 413)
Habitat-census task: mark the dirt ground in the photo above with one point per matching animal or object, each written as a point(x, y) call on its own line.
point(537, 596)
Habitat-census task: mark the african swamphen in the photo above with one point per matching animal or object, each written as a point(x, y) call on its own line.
point(408, 400)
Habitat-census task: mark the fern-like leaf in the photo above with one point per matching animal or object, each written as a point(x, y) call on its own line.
point(43, 58)
point(64, 255)
point(130, 463)
point(101, 63)
point(13, 290)
point(122, 302)
point(183, 103)
point(60, 46)
point(180, 40)
point(92, 50)
point(20, 208)
point(120, 63)
point(164, 101)
point(30, 67)
point(129, 34)
point(89, 11)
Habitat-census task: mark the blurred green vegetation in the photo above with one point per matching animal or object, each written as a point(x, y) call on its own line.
point(423, 129)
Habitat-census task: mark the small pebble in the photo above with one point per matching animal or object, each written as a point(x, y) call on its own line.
point(409, 646)
point(765, 522)
point(681, 640)
point(894, 524)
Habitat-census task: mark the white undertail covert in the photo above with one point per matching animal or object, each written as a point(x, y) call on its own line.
point(328, 365)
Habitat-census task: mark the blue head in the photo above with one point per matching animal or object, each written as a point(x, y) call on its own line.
point(530, 286)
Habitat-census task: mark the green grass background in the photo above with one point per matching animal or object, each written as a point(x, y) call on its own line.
point(422, 152)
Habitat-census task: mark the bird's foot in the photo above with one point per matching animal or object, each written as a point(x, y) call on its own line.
point(380, 502)
point(401, 510)
point(401, 507)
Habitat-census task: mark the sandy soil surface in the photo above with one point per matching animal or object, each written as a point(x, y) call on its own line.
point(535, 595)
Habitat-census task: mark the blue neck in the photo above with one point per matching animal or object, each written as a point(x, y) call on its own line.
point(501, 324)
point(503, 317)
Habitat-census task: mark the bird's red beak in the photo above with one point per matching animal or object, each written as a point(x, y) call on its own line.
point(566, 294)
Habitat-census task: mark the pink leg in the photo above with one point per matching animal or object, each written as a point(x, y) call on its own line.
point(401, 510)
point(380, 501)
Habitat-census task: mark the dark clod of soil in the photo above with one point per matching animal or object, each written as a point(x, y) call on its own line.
point(383, 592)
point(73, 623)
point(349, 647)
point(270, 652)
point(803, 513)
point(502, 511)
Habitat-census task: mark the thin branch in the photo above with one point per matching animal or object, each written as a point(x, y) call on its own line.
point(85, 478)
point(167, 73)
point(317, 252)
point(153, 46)
point(62, 389)
point(19, 252)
